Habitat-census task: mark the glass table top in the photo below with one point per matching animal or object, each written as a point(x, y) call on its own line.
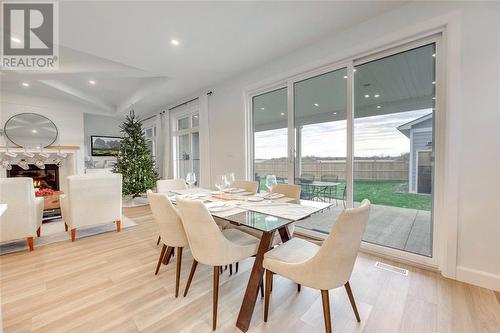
point(258, 221)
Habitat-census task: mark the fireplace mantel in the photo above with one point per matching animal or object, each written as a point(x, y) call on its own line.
point(35, 150)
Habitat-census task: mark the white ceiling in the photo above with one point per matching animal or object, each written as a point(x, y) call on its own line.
point(125, 46)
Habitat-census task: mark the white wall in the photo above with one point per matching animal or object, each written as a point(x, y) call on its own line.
point(67, 116)
point(100, 125)
point(473, 106)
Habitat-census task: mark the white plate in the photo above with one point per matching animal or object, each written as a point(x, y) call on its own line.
point(255, 199)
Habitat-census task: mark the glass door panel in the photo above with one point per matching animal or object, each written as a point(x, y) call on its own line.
point(195, 139)
point(183, 156)
point(270, 136)
point(320, 113)
point(393, 147)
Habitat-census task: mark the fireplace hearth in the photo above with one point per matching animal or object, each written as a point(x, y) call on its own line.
point(42, 178)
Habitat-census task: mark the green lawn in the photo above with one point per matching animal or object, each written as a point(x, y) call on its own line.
point(383, 192)
point(390, 193)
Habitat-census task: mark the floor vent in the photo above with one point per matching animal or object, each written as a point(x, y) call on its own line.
point(391, 268)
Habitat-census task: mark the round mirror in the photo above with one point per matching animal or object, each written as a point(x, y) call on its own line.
point(31, 130)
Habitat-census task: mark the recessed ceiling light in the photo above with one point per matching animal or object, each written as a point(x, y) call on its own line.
point(433, 82)
point(262, 109)
point(354, 70)
point(16, 40)
point(434, 98)
point(335, 113)
point(92, 82)
point(34, 131)
point(174, 42)
point(376, 95)
point(345, 76)
point(316, 104)
point(434, 55)
point(367, 96)
point(282, 113)
point(25, 84)
point(378, 107)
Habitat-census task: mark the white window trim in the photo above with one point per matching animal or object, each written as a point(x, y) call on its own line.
point(176, 115)
point(445, 232)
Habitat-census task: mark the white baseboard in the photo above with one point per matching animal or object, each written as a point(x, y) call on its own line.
point(478, 278)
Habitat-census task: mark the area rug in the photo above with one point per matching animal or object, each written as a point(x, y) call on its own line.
point(53, 232)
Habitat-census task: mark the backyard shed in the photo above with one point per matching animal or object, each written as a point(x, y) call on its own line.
point(419, 131)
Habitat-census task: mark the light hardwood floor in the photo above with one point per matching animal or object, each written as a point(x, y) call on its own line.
point(106, 283)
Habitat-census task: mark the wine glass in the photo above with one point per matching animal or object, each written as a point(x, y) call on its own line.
point(230, 178)
point(271, 182)
point(191, 179)
point(220, 182)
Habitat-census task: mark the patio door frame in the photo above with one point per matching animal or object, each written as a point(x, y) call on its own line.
point(438, 231)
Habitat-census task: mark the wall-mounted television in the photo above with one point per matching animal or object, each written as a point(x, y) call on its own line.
point(105, 145)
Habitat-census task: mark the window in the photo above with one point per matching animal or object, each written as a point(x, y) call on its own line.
point(270, 133)
point(361, 129)
point(393, 135)
point(186, 140)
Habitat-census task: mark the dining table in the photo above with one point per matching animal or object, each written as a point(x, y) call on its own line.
point(265, 212)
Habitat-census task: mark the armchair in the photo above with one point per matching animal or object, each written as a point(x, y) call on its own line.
point(23, 219)
point(91, 200)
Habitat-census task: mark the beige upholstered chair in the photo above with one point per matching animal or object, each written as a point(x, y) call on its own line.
point(324, 267)
point(91, 200)
point(289, 191)
point(167, 185)
point(211, 246)
point(23, 218)
point(171, 231)
point(247, 185)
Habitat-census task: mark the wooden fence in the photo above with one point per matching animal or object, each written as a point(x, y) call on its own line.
point(363, 169)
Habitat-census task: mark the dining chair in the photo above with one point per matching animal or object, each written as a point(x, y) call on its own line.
point(288, 190)
point(247, 185)
point(167, 185)
point(211, 246)
point(324, 267)
point(171, 231)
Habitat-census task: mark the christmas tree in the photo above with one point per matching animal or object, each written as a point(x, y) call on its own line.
point(134, 161)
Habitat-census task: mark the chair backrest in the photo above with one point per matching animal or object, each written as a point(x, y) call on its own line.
point(247, 185)
point(167, 185)
point(329, 178)
point(94, 199)
point(288, 190)
point(335, 259)
point(19, 220)
point(307, 178)
point(206, 241)
point(168, 219)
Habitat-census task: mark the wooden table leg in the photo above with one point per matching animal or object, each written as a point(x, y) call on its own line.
point(248, 304)
point(285, 235)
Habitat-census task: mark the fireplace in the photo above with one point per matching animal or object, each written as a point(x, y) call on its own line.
point(42, 178)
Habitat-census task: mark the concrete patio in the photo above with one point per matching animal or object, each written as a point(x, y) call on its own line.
point(400, 228)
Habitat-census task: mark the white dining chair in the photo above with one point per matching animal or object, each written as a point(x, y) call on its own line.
point(167, 185)
point(171, 231)
point(247, 185)
point(211, 246)
point(324, 267)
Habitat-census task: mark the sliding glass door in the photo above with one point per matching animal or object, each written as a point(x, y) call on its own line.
point(360, 130)
point(320, 114)
point(270, 136)
point(394, 101)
